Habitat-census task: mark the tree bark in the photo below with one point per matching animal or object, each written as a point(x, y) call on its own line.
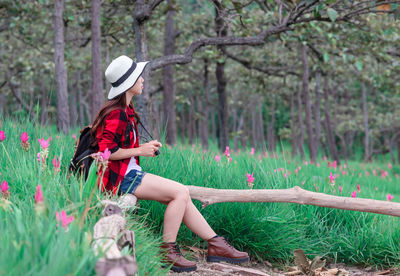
point(260, 128)
point(293, 124)
point(204, 109)
point(73, 105)
point(139, 20)
point(300, 138)
point(271, 128)
point(63, 121)
point(221, 31)
point(43, 103)
point(253, 127)
point(317, 111)
point(97, 95)
point(328, 129)
point(297, 195)
point(168, 75)
point(306, 90)
point(367, 155)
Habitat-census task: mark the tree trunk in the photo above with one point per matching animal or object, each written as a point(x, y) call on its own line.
point(271, 128)
point(97, 95)
point(221, 31)
point(213, 127)
point(328, 129)
point(300, 138)
point(43, 103)
point(73, 105)
point(260, 127)
point(182, 121)
point(209, 196)
point(317, 111)
point(142, 101)
point(204, 109)
point(367, 155)
point(293, 124)
point(306, 90)
point(253, 128)
point(61, 73)
point(168, 75)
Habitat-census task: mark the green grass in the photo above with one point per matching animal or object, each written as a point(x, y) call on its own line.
point(34, 245)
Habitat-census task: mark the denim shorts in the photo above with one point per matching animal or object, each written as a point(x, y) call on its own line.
point(131, 181)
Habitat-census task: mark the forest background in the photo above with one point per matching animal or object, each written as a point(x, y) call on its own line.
point(304, 83)
point(323, 74)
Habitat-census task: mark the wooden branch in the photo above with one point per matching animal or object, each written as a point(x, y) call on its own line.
point(295, 17)
point(297, 195)
point(278, 71)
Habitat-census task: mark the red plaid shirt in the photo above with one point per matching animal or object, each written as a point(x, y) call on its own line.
point(114, 135)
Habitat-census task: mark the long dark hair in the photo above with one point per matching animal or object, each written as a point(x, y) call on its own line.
point(116, 103)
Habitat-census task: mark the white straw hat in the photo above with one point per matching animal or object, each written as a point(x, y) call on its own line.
point(123, 73)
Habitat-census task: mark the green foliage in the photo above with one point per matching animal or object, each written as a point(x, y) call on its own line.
point(32, 242)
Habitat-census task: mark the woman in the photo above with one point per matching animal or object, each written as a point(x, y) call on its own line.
point(112, 129)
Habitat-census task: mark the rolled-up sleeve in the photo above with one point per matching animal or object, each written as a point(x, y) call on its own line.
point(114, 125)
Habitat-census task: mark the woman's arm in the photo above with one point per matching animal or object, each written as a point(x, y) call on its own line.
point(147, 149)
point(125, 153)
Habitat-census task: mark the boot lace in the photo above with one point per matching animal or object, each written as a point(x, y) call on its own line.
point(227, 243)
point(176, 250)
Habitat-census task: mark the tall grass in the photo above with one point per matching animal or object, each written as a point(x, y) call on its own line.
point(33, 244)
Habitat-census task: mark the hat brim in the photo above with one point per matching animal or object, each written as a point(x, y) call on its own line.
point(129, 82)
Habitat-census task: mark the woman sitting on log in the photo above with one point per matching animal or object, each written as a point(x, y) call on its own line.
point(115, 128)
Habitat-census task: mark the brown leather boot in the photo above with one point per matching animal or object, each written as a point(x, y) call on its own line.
point(220, 250)
point(174, 256)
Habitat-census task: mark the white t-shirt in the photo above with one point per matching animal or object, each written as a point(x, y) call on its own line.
point(132, 163)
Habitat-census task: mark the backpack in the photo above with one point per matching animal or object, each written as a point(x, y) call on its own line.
point(81, 160)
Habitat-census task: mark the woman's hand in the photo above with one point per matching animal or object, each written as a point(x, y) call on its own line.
point(149, 148)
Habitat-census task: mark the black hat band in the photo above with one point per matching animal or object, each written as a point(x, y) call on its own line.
point(124, 76)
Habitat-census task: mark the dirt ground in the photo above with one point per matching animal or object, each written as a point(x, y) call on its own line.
point(263, 269)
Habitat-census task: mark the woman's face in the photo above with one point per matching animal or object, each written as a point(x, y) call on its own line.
point(138, 87)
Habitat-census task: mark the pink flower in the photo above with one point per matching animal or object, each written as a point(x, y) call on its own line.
point(250, 177)
point(217, 158)
point(106, 154)
point(44, 143)
point(389, 197)
point(318, 165)
point(226, 153)
point(65, 220)
point(73, 136)
point(325, 158)
point(332, 178)
point(4, 187)
point(296, 171)
point(252, 151)
point(56, 164)
point(358, 187)
point(374, 172)
point(39, 158)
point(340, 189)
point(390, 165)
point(2, 136)
point(39, 195)
point(250, 180)
point(334, 164)
point(306, 163)
point(343, 173)
point(24, 137)
point(316, 189)
point(230, 159)
point(366, 173)
point(354, 194)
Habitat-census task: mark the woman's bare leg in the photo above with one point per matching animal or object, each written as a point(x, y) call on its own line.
point(179, 206)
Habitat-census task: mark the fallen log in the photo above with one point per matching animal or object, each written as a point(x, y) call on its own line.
point(209, 196)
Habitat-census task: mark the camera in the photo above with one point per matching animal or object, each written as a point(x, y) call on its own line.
point(157, 152)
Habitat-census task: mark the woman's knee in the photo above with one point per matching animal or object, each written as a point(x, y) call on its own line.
point(183, 193)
